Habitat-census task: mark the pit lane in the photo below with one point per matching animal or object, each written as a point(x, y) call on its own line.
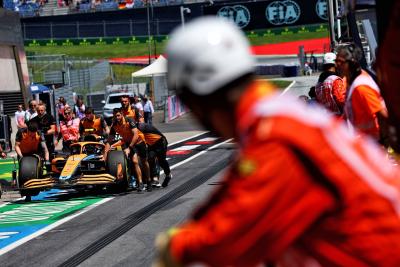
point(94, 230)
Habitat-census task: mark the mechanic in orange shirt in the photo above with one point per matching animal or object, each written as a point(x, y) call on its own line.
point(92, 125)
point(365, 109)
point(303, 191)
point(134, 146)
point(30, 141)
point(128, 111)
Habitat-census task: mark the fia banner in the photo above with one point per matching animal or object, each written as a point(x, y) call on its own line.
point(273, 13)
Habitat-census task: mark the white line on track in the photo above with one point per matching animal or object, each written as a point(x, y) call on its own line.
point(190, 137)
point(50, 227)
point(66, 219)
point(197, 155)
point(183, 148)
point(288, 88)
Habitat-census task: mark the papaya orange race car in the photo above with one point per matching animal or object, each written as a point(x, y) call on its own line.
point(88, 166)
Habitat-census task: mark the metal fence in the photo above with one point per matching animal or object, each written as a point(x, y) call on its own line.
point(79, 75)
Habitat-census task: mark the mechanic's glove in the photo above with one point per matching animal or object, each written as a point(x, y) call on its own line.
point(164, 257)
point(127, 151)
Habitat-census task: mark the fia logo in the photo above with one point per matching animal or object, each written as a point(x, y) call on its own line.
point(283, 12)
point(238, 14)
point(322, 9)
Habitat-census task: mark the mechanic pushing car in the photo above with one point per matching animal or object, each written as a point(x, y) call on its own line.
point(157, 146)
point(302, 190)
point(92, 125)
point(134, 146)
point(129, 111)
point(30, 141)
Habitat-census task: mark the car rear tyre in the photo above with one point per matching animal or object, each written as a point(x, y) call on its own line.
point(114, 159)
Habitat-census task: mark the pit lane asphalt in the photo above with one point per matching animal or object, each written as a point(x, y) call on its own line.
point(131, 214)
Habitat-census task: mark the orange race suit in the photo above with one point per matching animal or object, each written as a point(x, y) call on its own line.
point(303, 191)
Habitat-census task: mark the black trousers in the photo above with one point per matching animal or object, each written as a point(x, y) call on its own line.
point(50, 143)
point(158, 154)
point(148, 118)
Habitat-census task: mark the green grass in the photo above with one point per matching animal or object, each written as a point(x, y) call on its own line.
point(141, 49)
point(97, 51)
point(122, 73)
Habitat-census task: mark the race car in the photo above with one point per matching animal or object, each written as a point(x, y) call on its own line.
point(88, 166)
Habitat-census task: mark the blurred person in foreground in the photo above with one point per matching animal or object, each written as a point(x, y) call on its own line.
point(302, 191)
point(364, 109)
point(330, 89)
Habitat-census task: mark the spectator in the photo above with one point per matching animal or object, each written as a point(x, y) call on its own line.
point(148, 110)
point(138, 104)
point(79, 109)
point(20, 117)
point(307, 69)
point(364, 108)
point(31, 112)
point(61, 105)
point(330, 89)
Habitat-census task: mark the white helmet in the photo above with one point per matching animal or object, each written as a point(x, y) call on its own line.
point(329, 58)
point(206, 55)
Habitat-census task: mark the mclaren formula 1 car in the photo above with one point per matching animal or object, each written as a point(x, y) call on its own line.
point(86, 167)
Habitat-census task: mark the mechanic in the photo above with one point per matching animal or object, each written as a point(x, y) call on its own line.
point(29, 141)
point(47, 125)
point(330, 89)
point(92, 124)
point(69, 130)
point(134, 146)
point(302, 190)
point(157, 145)
point(129, 111)
point(365, 109)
